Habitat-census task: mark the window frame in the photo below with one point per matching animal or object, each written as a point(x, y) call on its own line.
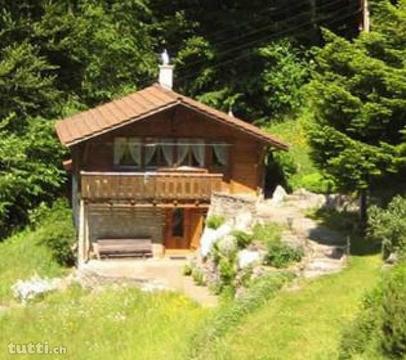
point(127, 166)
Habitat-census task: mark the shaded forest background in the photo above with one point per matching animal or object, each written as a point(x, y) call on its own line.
point(60, 57)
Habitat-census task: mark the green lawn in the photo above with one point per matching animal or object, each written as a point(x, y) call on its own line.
point(21, 256)
point(113, 323)
point(304, 323)
point(126, 323)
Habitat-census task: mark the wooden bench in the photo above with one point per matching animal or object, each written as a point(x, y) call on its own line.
point(123, 247)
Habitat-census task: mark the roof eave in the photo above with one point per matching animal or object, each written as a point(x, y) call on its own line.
point(114, 127)
point(259, 135)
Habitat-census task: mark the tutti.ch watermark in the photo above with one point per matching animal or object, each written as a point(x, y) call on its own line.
point(36, 348)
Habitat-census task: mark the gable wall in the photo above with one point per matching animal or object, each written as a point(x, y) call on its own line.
point(246, 153)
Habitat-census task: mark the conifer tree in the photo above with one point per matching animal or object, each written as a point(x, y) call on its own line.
point(359, 100)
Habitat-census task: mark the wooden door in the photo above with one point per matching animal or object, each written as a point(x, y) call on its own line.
point(196, 227)
point(183, 228)
point(177, 234)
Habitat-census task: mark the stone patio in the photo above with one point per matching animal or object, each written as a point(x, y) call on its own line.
point(148, 274)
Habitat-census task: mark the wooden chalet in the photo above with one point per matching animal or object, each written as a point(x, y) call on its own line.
point(145, 166)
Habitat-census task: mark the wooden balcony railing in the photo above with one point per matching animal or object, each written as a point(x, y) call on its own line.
point(159, 187)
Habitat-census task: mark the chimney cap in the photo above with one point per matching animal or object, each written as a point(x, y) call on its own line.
point(165, 57)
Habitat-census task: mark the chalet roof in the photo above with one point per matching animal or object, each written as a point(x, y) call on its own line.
point(139, 105)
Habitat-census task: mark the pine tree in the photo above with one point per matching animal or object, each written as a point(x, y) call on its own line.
point(359, 100)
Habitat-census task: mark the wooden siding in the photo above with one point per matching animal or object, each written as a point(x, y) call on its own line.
point(141, 187)
point(245, 172)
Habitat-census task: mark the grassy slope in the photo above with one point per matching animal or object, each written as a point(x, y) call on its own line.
point(115, 323)
point(22, 257)
point(291, 131)
point(121, 323)
point(304, 323)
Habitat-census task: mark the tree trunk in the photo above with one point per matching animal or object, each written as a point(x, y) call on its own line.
point(363, 208)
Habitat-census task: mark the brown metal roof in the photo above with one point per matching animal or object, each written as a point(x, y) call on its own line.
point(139, 105)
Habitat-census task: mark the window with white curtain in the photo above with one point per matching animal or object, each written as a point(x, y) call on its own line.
point(159, 153)
point(219, 155)
point(191, 152)
point(155, 153)
point(127, 152)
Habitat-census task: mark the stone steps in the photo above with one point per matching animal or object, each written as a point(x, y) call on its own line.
point(325, 249)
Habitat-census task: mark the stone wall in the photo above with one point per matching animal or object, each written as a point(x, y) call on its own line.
point(126, 222)
point(240, 210)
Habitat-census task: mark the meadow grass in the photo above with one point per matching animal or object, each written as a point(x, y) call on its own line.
point(293, 133)
point(125, 323)
point(112, 323)
point(22, 256)
point(303, 323)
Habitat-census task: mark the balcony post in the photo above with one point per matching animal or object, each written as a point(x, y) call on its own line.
point(82, 233)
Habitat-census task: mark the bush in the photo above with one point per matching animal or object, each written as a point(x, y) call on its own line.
point(317, 183)
point(227, 270)
point(280, 255)
point(380, 328)
point(393, 309)
point(265, 233)
point(215, 221)
point(198, 277)
point(388, 226)
point(55, 230)
point(187, 270)
point(243, 239)
point(224, 256)
point(357, 336)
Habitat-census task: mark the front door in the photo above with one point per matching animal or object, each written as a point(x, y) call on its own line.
point(183, 228)
point(177, 229)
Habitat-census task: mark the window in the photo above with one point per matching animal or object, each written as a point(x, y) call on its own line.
point(191, 152)
point(219, 155)
point(159, 153)
point(178, 217)
point(153, 153)
point(127, 152)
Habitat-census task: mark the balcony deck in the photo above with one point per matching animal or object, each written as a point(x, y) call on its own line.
point(156, 187)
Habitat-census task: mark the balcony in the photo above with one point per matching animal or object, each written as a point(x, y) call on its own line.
point(156, 187)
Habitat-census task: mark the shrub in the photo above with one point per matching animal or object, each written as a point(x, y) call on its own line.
point(357, 336)
point(244, 277)
point(317, 183)
point(380, 328)
point(227, 270)
point(388, 226)
point(269, 232)
point(281, 255)
point(224, 255)
point(215, 221)
point(198, 277)
point(227, 246)
point(393, 309)
point(243, 238)
point(55, 230)
point(187, 270)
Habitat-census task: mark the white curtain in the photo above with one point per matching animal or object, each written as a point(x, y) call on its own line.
point(120, 147)
point(198, 151)
point(167, 150)
point(135, 150)
point(221, 152)
point(150, 150)
point(183, 150)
